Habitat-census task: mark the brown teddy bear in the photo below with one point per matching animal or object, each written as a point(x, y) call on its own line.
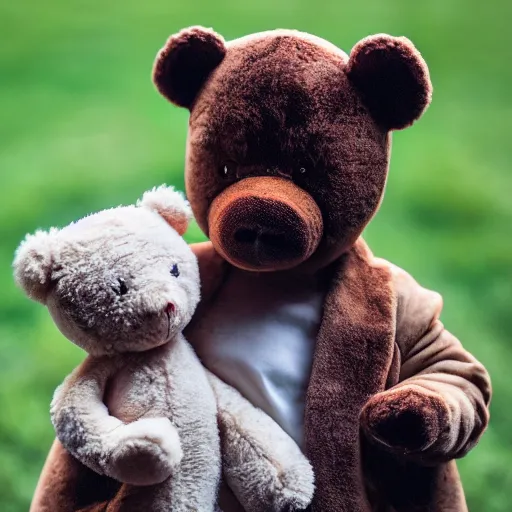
point(141, 409)
point(287, 158)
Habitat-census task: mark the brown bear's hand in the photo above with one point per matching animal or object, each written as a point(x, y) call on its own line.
point(409, 420)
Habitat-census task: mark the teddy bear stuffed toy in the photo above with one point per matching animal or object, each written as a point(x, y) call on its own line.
point(122, 284)
point(287, 158)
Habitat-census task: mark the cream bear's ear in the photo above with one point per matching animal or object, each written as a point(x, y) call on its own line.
point(170, 204)
point(33, 263)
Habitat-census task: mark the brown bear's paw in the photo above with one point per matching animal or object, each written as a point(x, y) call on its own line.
point(407, 420)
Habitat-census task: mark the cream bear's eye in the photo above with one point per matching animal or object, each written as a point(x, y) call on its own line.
point(175, 270)
point(121, 289)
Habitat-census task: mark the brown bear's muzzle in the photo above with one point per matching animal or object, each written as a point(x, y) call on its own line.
point(265, 224)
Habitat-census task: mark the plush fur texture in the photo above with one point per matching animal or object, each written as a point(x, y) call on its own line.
point(184, 63)
point(33, 264)
point(89, 276)
point(244, 230)
point(287, 104)
point(392, 396)
point(345, 373)
point(393, 79)
point(377, 320)
point(288, 487)
point(352, 468)
point(171, 207)
point(123, 284)
point(439, 402)
point(283, 103)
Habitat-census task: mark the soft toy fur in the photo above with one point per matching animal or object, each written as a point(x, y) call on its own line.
point(122, 284)
point(287, 158)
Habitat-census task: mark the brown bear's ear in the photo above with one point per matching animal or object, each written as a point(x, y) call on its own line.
point(169, 204)
point(33, 264)
point(393, 79)
point(184, 63)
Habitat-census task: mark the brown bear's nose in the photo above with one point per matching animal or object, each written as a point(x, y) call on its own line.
point(260, 235)
point(265, 223)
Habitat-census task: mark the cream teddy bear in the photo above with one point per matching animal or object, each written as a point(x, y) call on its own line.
point(122, 284)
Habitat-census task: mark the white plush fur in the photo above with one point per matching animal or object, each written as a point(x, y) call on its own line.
point(171, 206)
point(263, 465)
point(122, 284)
point(33, 264)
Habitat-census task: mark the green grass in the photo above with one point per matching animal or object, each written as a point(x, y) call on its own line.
point(82, 128)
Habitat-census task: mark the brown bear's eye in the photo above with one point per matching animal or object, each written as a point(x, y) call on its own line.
point(300, 172)
point(228, 170)
point(175, 270)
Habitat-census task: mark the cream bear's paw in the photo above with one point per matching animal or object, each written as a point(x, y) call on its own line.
point(297, 487)
point(290, 489)
point(144, 452)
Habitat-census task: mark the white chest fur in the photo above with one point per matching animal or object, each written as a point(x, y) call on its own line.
point(259, 336)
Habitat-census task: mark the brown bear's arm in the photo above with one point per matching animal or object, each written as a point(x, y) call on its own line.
point(439, 407)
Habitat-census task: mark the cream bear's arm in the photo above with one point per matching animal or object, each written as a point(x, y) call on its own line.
point(143, 452)
point(80, 418)
point(262, 465)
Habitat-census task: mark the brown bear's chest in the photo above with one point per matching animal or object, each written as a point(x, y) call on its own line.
point(259, 336)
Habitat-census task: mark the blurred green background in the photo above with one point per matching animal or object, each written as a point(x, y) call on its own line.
point(82, 128)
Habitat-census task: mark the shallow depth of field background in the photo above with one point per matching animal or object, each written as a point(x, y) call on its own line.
point(82, 128)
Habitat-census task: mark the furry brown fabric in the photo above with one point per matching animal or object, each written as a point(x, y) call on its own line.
point(435, 410)
point(281, 104)
point(353, 356)
point(440, 402)
point(185, 62)
point(406, 419)
point(393, 79)
point(212, 268)
point(395, 484)
point(67, 485)
point(392, 395)
point(375, 325)
point(265, 224)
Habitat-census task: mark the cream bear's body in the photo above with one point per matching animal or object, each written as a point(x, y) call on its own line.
point(123, 284)
point(162, 421)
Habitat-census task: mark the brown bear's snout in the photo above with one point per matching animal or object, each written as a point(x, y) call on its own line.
point(265, 224)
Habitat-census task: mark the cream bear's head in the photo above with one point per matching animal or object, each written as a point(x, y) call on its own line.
point(119, 280)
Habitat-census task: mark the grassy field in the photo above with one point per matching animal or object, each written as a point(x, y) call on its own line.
point(82, 128)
